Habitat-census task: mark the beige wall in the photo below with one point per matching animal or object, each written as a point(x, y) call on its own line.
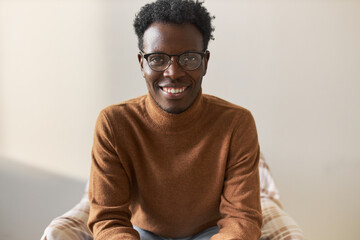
point(294, 64)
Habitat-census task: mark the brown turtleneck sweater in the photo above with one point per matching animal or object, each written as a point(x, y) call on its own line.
point(175, 174)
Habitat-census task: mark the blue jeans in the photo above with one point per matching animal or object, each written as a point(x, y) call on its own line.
point(204, 235)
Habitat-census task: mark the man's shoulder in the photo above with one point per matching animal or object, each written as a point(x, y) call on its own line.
point(220, 104)
point(134, 104)
point(226, 112)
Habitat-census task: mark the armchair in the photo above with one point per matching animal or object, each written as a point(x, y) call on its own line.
point(277, 224)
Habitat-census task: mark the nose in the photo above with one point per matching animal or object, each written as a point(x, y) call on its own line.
point(174, 71)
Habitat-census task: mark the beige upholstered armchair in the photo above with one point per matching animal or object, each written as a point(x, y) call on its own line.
point(277, 224)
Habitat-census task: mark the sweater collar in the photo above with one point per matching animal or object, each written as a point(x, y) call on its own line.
point(171, 121)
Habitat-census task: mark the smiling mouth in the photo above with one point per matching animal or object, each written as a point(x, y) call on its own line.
point(173, 90)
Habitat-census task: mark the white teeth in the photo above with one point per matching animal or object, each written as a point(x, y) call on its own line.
point(174, 90)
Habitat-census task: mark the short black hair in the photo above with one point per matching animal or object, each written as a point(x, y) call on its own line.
point(174, 11)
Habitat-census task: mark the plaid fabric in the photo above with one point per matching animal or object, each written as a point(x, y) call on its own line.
point(277, 224)
point(71, 225)
point(268, 187)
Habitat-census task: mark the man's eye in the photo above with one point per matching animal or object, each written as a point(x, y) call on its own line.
point(156, 60)
point(190, 59)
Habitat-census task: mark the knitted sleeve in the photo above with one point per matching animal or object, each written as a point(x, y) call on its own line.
point(240, 207)
point(109, 188)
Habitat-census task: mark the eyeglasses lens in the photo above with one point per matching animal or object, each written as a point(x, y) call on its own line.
point(190, 61)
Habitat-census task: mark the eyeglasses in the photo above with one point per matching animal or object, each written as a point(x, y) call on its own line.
point(161, 61)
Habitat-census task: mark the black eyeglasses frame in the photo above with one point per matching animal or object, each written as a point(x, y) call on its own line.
point(146, 55)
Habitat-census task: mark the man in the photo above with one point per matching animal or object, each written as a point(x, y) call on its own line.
point(174, 163)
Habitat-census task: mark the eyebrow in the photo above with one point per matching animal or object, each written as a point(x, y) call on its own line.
point(160, 52)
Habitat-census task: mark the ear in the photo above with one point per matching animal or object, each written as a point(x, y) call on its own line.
point(141, 63)
point(206, 60)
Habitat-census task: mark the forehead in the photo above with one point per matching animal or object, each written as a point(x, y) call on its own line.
point(172, 38)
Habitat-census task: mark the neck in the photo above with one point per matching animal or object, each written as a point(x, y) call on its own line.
point(174, 120)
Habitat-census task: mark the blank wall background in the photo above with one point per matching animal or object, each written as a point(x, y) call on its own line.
point(294, 64)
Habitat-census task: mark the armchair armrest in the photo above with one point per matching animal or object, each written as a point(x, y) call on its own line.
point(277, 224)
point(71, 225)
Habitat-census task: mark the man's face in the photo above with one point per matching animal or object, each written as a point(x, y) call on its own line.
point(173, 89)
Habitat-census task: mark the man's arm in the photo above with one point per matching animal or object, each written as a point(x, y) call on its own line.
point(109, 188)
point(240, 207)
